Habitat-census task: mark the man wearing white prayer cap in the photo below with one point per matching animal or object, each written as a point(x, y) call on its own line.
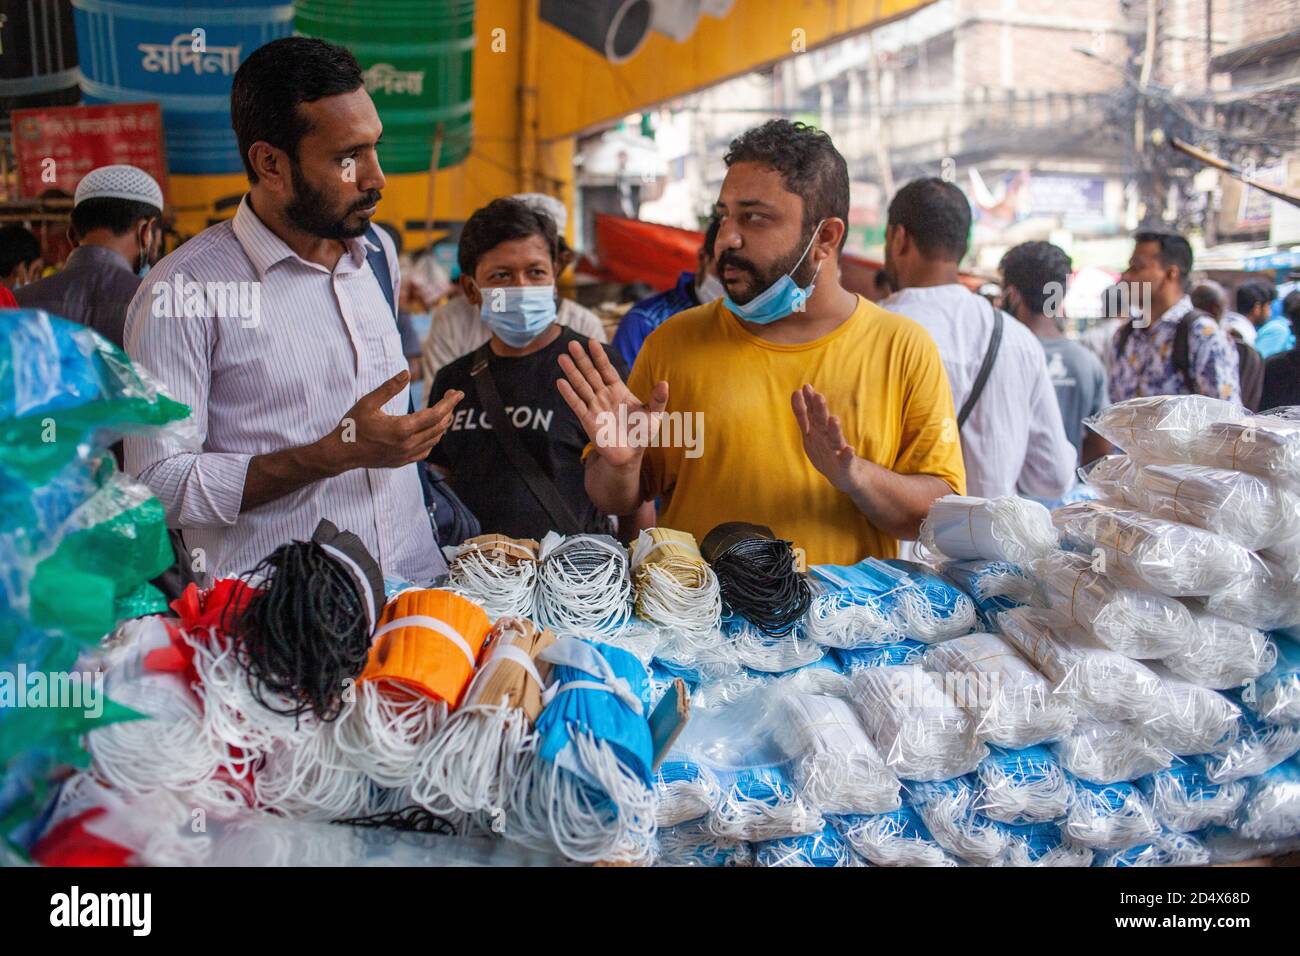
point(117, 231)
point(456, 328)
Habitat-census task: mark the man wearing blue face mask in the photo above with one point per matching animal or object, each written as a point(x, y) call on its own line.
point(513, 451)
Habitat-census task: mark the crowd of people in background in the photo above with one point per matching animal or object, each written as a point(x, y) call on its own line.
point(831, 418)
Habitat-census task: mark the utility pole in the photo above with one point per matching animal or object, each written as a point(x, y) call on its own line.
point(1210, 227)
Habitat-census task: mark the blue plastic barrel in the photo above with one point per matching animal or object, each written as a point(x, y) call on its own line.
point(152, 51)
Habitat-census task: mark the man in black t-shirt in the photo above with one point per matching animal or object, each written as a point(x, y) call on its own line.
point(508, 263)
point(1281, 380)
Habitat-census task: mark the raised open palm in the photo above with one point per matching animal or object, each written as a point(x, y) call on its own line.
point(823, 439)
point(618, 423)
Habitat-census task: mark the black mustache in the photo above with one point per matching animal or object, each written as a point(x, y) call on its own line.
point(729, 258)
point(372, 199)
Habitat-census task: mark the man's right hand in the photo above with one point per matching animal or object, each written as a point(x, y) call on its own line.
point(368, 437)
point(610, 414)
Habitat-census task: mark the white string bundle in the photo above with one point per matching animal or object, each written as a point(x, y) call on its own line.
point(692, 844)
point(1185, 799)
point(924, 621)
point(1247, 509)
point(675, 586)
point(497, 573)
point(1114, 477)
point(949, 809)
point(835, 619)
point(1021, 787)
point(752, 648)
point(915, 725)
point(386, 728)
point(1110, 817)
point(583, 587)
point(1162, 427)
point(684, 791)
point(1271, 810)
point(1186, 718)
point(1104, 682)
point(1268, 598)
point(759, 803)
point(1177, 560)
point(1277, 693)
point(1014, 706)
point(312, 779)
point(548, 805)
point(834, 763)
point(1025, 847)
point(1136, 623)
point(961, 527)
point(1264, 445)
point(1168, 849)
point(1106, 753)
point(1258, 748)
point(483, 747)
point(892, 839)
point(1223, 653)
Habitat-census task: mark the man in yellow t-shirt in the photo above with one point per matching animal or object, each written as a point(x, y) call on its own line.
point(795, 403)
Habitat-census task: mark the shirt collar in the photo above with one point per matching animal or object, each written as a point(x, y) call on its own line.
point(264, 248)
point(1177, 310)
point(97, 257)
point(686, 286)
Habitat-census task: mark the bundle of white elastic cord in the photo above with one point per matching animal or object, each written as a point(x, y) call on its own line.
point(497, 584)
point(385, 729)
point(963, 528)
point(1111, 817)
point(583, 587)
point(1105, 753)
point(677, 590)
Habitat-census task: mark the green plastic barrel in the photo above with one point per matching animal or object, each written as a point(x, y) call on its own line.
point(418, 60)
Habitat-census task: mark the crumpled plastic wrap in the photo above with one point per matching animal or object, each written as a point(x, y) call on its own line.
point(1271, 810)
point(963, 528)
point(1265, 445)
point(1110, 817)
point(1024, 786)
point(1223, 654)
point(1184, 797)
point(1106, 753)
point(1275, 697)
point(1162, 427)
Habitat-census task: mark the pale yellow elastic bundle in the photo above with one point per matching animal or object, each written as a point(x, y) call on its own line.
point(674, 553)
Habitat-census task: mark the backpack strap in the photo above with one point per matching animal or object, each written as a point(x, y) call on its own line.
point(986, 369)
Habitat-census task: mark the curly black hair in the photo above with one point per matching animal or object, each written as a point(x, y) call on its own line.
point(1254, 292)
point(500, 221)
point(936, 215)
point(810, 166)
point(1038, 271)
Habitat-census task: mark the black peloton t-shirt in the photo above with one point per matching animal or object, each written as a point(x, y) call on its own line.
point(480, 472)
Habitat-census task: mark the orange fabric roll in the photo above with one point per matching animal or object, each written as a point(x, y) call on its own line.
point(428, 643)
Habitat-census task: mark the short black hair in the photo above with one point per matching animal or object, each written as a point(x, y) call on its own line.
point(1291, 307)
point(1174, 250)
point(810, 167)
point(18, 247)
point(276, 77)
point(710, 238)
point(500, 221)
point(1036, 270)
point(936, 215)
point(118, 216)
point(1254, 292)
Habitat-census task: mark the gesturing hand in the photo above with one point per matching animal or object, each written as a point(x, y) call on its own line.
point(823, 440)
point(368, 437)
point(596, 393)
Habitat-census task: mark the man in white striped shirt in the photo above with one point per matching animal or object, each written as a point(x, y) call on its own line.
point(273, 328)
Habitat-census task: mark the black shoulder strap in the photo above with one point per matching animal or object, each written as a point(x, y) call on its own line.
point(542, 487)
point(378, 263)
point(1183, 349)
point(1121, 340)
point(986, 369)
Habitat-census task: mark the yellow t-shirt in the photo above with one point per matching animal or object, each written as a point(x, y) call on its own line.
point(880, 373)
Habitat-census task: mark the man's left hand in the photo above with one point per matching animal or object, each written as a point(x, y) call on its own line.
point(823, 439)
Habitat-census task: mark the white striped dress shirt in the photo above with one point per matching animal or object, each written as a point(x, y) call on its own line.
point(320, 341)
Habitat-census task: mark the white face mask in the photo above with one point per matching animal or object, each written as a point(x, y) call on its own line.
point(710, 288)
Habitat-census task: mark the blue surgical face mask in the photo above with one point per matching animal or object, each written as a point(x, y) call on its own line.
point(517, 314)
point(779, 299)
point(710, 288)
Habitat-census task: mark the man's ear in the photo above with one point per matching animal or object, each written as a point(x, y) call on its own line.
point(271, 165)
point(470, 289)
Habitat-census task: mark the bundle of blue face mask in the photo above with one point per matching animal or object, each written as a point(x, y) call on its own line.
point(1258, 746)
point(1185, 799)
point(760, 803)
point(880, 655)
point(1271, 810)
point(1041, 844)
point(994, 587)
point(896, 838)
point(1024, 786)
point(1169, 849)
point(684, 791)
point(1110, 817)
point(693, 844)
point(949, 809)
point(880, 602)
point(932, 607)
point(1275, 696)
point(825, 848)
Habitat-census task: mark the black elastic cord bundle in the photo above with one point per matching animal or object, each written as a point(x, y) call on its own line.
point(412, 819)
point(305, 634)
point(757, 576)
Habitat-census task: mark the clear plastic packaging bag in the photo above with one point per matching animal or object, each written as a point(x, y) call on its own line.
point(964, 528)
point(915, 725)
point(949, 809)
point(1110, 817)
point(994, 586)
point(1224, 654)
point(897, 838)
point(1271, 810)
point(1024, 786)
point(1107, 684)
point(1106, 753)
point(1162, 427)
point(751, 647)
point(692, 844)
point(1178, 560)
point(1132, 621)
point(825, 848)
point(684, 791)
point(1186, 718)
point(1042, 844)
point(835, 765)
point(880, 655)
point(1226, 845)
point(1013, 705)
point(1268, 598)
point(1264, 445)
point(1184, 797)
point(1114, 478)
point(1257, 748)
point(1169, 849)
point(1252, 511)
point(1275, 698)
